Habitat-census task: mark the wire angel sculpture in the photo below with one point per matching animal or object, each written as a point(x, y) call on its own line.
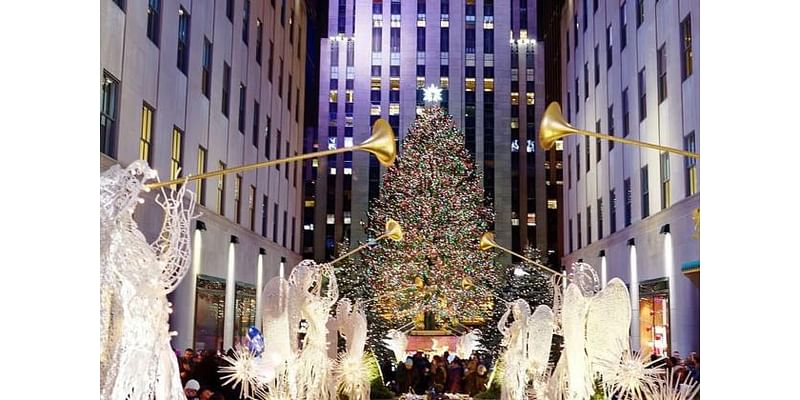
point(308, 303)
point(397, 341)
point(136, 359)
point(515, 337)
point(468, 343)
point(352, 372)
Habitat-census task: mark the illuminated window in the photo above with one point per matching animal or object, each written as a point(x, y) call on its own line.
point(515, 146)
point(488, 60)
point(515, 98)
point(394, 109)
point(488, 22)
point(201, 168)
point(310, 203)
point(531, 219)
point(330, 219)
point(394, 83)
point(347, 217)
point(421, 20)
point(331, 143)
point(348, 121)
point(531, 146)
point(376, 58)
point(530, 97)
point(420, 82)
point(146, 136)
point(444, 82)
point(514, 122)
point(333, 97)
point(315, 163)
point(176, 158)
point(395, 20)
point(308, 227)
point(237, 199)
point(444, 58)
point(375, 109)
point(445, 21)
point(469, 84)
point(552, 204)
point(559, 145)
point(375, 83)
point(689, 144)
point(488, 84)
point(221, 191)
point(514, 221)
point(251, 208)
point(333, 171)
point(666, 187)
point(348, 171)
point(377, 20)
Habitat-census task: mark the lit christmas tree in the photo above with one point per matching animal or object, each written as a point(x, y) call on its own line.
point(435, 192)
point(519, 281)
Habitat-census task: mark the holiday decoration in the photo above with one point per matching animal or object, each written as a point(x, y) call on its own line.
point(468, 343)
point(397, 341)
point(354, 370)
point(435, 191)
point(136, 359)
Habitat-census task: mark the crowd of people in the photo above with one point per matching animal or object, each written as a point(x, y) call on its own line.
point(680, 368)
point(442, 374)
point(200, 376)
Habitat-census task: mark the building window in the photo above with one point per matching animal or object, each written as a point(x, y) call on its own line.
point(200, 187)
point(275, 222)
point(588, 154)
point(267, 137)
point(691, 164)
point(585, 15)
point(599, 218)
point(120, 4)
point(283, 13)
point(686, 47)
point(221, 191)
point(612, 210)
point(577, 163)
point(154, 20)
point(609, 47)
point(580, 232)
point(229, 9)
point(208, 51)
point(625, 113)
point(226, 89)
point(586, 80)
point(645, 188)
point(242, 106)
point(588, 225)
point(628, 201)
point(237, 199)
point(623, 29)
point(284, 229)
point(569, 174)
point(271, 60)
point(598, 147)
point(286, 170)
point(394, 40)
point(176, 155)
point(280, 79)
point(278, 148)
point(291, 27)
point(552, 204)
point(289, 94)
point(183, 40)
point(642, 96)
point(661, 67)
point(666, 188)
point(577, 98)
point(256, 112)
point(108, 115)
point(596, 64)
point(259, 40)
point(146, 134)
point(610, 126)
point(264, 214)
point(639, 12)
point(251, 208)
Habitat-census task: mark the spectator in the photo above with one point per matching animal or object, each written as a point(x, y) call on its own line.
point(439, 374)
point(205, 393)
point(481, 379)
point(191, 388)
point(407, 377)
point(470, 376)
point(455, 376)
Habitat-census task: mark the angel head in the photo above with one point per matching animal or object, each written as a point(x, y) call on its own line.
point(520, 309)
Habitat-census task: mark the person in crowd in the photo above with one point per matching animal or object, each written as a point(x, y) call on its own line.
point(191, 388)
point(439, 374)
point(217, 396)
point(455, 375)
point(446, 359)
point(481, 379)
point(407, 376)
point(470, 375)
point(423, 367)
point(205, 393)
point(692, 372)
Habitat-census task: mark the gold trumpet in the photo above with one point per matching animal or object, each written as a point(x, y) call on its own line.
point(393, 231)
point(487, 242)
point(381, 144)
point(555, 127)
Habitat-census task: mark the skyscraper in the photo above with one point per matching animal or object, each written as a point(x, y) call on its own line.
point(631, 69)
point(376, 60)
point(193, 87)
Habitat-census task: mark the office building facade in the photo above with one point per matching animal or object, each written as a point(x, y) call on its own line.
point(631, 69)
point(193, 87)
point(376, 60)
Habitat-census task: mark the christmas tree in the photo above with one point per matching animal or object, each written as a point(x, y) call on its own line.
point(435, 192)
point(520, 281)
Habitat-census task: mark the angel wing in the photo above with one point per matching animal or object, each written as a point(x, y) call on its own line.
point(276, 319)
point(467, 343)
point(608, 325)
point(573, 324)
point(540, 338)
point(397, 341)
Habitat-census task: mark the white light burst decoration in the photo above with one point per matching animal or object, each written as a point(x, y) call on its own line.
point(245, 371)
point(632, 377)
point(669, 389)
point(432, 94)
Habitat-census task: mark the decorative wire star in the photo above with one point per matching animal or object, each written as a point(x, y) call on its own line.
point(432, 94)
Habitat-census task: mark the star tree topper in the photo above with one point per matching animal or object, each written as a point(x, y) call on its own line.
point(432, 94)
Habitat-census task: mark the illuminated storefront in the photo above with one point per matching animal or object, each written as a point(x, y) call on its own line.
point(209, 313)
point(654, 323)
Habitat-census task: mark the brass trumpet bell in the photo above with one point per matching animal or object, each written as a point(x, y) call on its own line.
point(393, 230)
point(553, 126)
point(381, 143)
point(487, 241)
